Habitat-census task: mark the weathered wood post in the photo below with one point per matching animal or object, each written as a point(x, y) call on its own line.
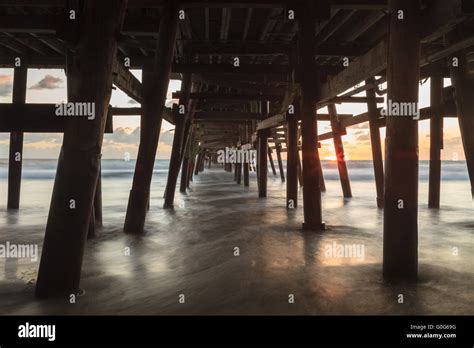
point(15, 158)
point(462, 78)
point(203, 160)
point(248, 158)
point(375, 142)
point(197, 167)
point(239, 173)
point(186, 163)
point(436, 143)
point(155, 86)
point(79, 161)
point(192, 164)
point(299, 168)
point(280, 162)
point(292, 157)
point(322, 183)
point(175, 159)
point(270, 159)
point(339, 149)
point(400, 241)
point(309, 95)
point(246, 174)
point(98, 200)
point(262, 166)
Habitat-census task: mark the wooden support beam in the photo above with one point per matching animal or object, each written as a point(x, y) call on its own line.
point(185, 168)
point(270, 159)
point(179, 133)
point(98, 200)
point(199, 68)
point(375, 142)
point(231, 96)
point(238, 168)
point(15, 157)
point(280, 162)
point(349, 100)
point(197, 167)
point(300, 170)
point(309, 94)
point(339, 149)
point(226, 115)
point(155, 82)
point(262, 165)
point(79, 161)
point(462, 78)
point(436, 143)
point(370, 64)
point(127, 82)
point(400, 242)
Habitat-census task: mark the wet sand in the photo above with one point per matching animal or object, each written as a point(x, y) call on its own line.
point(191, 251)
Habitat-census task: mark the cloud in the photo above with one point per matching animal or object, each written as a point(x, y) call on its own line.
point(6, 85)
point(48, 82)
point(363, 137)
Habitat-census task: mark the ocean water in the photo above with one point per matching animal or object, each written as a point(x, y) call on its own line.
point(191, 249)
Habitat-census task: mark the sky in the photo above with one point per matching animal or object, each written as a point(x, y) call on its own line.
point(49, 86)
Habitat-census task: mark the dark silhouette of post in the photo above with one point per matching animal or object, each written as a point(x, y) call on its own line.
point(292, 159)
point(90, 80)
point(436, 143)
point(262, 166)
point(270, 159)
point(15, 157)
point(280, 162)
point(400, 234)
point(155, 78)
point(462, 78)
point(309, 94)
point(175, 159)
point(375, 142)
point(339, 149)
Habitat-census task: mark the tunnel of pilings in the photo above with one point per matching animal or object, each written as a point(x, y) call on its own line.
point(254, 77)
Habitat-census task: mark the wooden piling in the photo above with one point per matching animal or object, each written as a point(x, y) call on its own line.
point(339, 149)
point(309, 81)
point(239, 173)
point(270, 159)
point(246, 174)
point(300, 169)
point(197, 167)
point(98, 201)
point(292, 159)
point(462, 78)
point(79, 161)
point(322, 183)
point(155, 85)
point(175, 159)
point(280, 162)
point(187, 163)
point(436, 143)
point(15, 157)
point(262, 166)
point(375, 142)
point(192, 164)
point(400, 242)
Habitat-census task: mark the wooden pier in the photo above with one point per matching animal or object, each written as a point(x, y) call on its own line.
point(255, 75)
